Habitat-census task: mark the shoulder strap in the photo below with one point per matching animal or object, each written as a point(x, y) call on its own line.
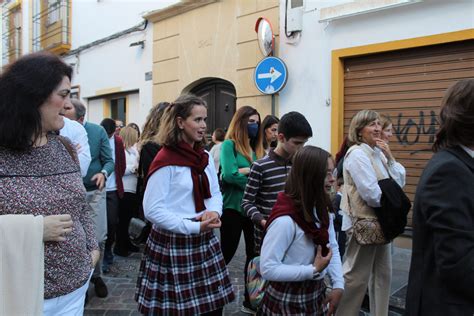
point(69, 148)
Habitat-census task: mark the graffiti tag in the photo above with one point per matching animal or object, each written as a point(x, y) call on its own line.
point(409, 133)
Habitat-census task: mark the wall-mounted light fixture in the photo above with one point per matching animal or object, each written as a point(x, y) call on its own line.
point(139, 43)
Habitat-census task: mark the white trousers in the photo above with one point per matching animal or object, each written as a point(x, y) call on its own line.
point(71, 304)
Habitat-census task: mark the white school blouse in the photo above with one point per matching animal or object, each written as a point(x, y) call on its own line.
point(298, 262)
point(169, 202)
point(129, 178)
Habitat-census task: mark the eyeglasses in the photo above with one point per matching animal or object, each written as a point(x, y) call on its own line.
point(333, 173)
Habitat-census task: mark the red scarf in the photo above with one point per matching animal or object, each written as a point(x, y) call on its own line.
point(285, 206)
point(184, 155)
point(120, 164)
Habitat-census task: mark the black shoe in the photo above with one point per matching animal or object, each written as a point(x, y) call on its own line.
point(121, 253)
point(108, 257)
point(247, 308)
point(100, 287)
point(133, 248)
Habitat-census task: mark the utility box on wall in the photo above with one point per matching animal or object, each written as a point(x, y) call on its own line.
point(294, 16)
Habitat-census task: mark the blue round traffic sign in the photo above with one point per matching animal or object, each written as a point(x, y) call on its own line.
point(270, 75)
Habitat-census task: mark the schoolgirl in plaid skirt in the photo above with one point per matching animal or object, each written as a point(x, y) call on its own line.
point(295, 255)
point(183, 271)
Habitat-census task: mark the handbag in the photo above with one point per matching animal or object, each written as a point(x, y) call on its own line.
point(256, 284)
point(138, 231)
point(367, 231)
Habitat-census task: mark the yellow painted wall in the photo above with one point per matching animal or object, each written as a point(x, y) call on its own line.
point(217, 40)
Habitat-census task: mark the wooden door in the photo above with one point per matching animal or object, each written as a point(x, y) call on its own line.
point(221, 100)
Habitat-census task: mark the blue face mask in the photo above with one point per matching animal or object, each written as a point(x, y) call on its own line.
point(252, 129)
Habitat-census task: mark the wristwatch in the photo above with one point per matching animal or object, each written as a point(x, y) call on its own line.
point(104, 173)
point(316, 274)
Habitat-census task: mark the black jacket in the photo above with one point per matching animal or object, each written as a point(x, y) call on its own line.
point(441, 280)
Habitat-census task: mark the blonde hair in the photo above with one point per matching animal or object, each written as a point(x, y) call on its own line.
point(152, 124)
point(129, 136)
point(358, 122)
point(169, 133)
point(385, 121)
point(238, 133)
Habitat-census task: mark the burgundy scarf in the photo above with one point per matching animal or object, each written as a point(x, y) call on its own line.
point(285, 206)
point(184, 155)
point(120, 164)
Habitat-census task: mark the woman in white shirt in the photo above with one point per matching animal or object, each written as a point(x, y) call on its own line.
point(295, 255)
point(128, 206)
point(367, 264)
point(183, 271)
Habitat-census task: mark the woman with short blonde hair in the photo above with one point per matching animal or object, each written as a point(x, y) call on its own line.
point(358, 122)
point(128, 205)
point(129, 136)
point(368, 262)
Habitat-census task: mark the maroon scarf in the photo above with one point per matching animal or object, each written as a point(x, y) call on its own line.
point(184, 155)
point(120, 164)
point(285, 206)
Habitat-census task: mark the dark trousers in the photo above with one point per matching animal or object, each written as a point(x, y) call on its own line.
point(233, 223)
point(112, 218)
point(127, 209)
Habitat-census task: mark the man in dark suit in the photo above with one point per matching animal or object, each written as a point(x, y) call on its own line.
point(441, 280)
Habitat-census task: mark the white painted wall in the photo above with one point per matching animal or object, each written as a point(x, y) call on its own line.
point(116, 65)
point(309, 59)
point(94, 111)
point(96, 19)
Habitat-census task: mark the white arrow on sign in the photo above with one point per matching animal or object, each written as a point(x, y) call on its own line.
point(273, 75)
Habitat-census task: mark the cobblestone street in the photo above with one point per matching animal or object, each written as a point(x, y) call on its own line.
point(123, 274)
point(121, 284)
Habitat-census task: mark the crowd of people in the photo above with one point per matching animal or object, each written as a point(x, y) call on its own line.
point(69, 189)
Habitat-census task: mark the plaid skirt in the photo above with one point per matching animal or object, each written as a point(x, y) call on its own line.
point(182, 275)
point(294, 298)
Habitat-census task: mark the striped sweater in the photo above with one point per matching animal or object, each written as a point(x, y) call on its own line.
point(266, 179)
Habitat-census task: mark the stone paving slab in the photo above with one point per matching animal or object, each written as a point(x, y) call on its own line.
point(123, 274)
point(121, 282)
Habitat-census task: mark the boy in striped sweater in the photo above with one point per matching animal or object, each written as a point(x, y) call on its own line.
point(267, 176)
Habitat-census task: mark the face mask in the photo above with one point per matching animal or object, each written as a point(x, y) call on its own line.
point(252, 129)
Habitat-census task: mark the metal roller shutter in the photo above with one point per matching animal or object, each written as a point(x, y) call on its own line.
point(407, 85)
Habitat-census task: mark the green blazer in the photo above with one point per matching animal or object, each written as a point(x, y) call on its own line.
point(231, 161)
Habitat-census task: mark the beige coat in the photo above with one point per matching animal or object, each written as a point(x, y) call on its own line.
point(21, 265)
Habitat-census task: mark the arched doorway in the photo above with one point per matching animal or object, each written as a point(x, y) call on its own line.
point(220, 97)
